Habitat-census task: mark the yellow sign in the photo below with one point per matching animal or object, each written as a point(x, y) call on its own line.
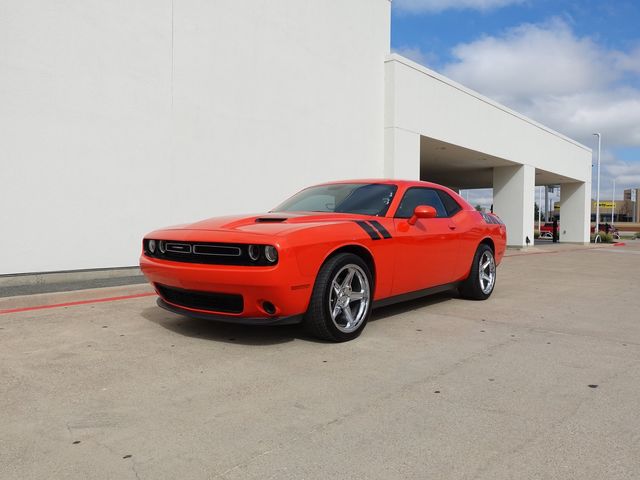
point(607, 204)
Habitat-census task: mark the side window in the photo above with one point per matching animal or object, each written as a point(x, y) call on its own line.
point(449, 203)
point(420, 196)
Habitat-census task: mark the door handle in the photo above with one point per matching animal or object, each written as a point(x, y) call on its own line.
point(452, 226)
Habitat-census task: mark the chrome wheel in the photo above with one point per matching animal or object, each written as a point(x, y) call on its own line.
point(349, 298)
point(487, 272)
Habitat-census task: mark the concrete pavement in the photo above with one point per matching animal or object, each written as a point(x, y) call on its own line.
point(540, 381)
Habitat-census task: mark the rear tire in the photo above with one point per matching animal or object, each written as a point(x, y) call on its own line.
point(340, 303)
point(482, 278)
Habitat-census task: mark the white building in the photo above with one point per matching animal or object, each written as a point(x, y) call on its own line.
point(120, 117)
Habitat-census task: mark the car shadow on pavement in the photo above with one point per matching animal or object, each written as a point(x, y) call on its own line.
point(268, 334)
point(410, 305)
point(223, 332)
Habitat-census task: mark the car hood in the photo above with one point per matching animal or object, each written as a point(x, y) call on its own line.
point(273, 223)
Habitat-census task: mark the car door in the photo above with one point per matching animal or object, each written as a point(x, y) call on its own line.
point(426, 252)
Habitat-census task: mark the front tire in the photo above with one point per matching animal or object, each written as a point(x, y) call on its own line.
point(341, 300)
point(482, 278)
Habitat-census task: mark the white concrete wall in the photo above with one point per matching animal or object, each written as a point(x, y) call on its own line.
point(401, 150)
point(117, 117)
point(513, 194)
point(424, 102)
point(576, 204)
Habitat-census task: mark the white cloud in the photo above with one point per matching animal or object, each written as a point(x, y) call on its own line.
point(567, 82)
point(629, 62)
point(531, 60)
point(433, 6)
point(614, 112)
point(626, 175)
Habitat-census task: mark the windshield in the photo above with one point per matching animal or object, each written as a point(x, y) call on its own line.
point(360, 198)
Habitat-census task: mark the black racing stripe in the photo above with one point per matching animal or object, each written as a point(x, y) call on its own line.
point(369, 229)
point(378, 226)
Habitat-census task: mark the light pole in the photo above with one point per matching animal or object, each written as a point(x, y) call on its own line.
point(539, 208)
point(613, 201)
point(598, 187)
point(546, 203)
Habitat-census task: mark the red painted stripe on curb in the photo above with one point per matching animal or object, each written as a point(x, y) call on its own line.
point(530, 253)
point(552, 251)
point(80, 302)
point(619, 244)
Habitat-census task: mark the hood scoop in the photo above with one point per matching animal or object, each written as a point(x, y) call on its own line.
point(271, 219)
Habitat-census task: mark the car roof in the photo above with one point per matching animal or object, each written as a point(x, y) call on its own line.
point(403, 185)
point(386, 181)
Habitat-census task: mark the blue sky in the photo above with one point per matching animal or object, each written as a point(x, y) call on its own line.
point(506, 48)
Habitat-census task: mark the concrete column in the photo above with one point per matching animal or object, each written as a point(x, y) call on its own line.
point(575, 212)
point(513, 198)
point(402, 154)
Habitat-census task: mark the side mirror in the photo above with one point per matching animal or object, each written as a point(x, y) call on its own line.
point(422, 211)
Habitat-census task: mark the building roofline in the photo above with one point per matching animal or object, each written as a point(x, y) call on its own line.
point(441, 78)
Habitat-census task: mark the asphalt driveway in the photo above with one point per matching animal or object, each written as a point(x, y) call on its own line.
point(541, 381)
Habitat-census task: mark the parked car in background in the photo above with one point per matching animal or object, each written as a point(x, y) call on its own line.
point(547, 227)
point(606, 228)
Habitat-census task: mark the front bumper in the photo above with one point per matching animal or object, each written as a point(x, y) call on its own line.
point(291, 320)
point(282, 285)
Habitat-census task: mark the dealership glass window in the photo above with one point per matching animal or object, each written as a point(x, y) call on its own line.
point(420, 196)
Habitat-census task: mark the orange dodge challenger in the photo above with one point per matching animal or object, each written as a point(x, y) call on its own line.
point(327, 256)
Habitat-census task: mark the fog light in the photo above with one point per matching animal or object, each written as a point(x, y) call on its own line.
point(271, 254)
point(269, 307)
point(254, 252)
point(152, 246)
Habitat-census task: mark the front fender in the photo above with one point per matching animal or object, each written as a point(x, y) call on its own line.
point(313, 246)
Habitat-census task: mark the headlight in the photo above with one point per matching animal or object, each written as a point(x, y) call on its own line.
point(162, 245)
point(254, 252)
point(271, 254)
point(152, 246)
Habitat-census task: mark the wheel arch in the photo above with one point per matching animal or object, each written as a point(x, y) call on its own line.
point(361, 252)
point(471, 287)
point(490, 243)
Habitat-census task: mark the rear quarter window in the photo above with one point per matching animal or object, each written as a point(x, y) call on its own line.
point(492, 219)
point(449, 203)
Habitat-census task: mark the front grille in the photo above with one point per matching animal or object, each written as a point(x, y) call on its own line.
point(208, 253)
point(219, 250)
point(211, 301)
